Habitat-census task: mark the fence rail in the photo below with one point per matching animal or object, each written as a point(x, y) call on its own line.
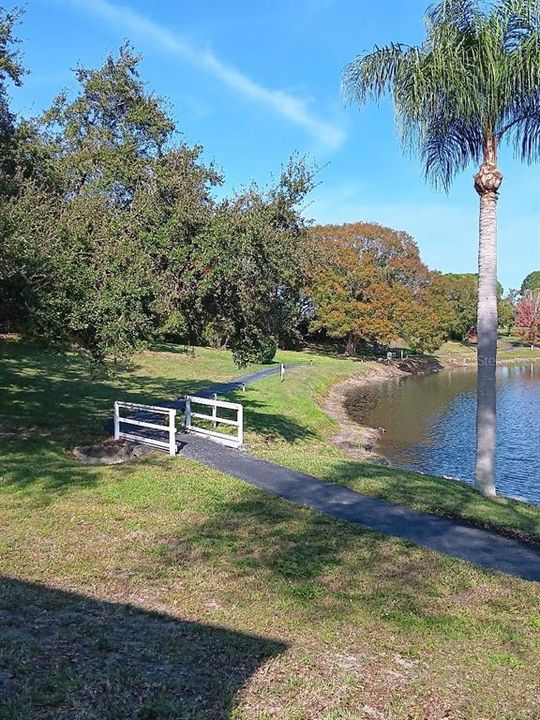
point(231, 440)
point(168, 444)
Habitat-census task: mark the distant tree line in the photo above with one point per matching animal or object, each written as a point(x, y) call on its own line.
point(110, 237)
point(367, 283)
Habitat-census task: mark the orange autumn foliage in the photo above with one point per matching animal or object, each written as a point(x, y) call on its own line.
point(367, 283)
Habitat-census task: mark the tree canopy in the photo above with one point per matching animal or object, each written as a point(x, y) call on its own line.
point(111, 236)
point(368, 283)
point(528, 316)
point(531, 282)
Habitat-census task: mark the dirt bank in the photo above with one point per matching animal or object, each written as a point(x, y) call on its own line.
point(360, 441)
point(356, 441)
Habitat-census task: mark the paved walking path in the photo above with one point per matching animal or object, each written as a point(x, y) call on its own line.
point(437, 533)
point(225, 387)
point(450, 537)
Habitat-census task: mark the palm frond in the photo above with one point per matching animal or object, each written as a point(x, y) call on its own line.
point(524, 129)
point(369, 77)
point(460, 14)
point(520, 117)
point(475, 76)
point(447, 148)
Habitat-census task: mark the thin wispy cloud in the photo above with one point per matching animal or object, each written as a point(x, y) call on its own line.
point(292, 108)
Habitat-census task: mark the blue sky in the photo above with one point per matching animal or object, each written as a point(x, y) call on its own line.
point(254, 81)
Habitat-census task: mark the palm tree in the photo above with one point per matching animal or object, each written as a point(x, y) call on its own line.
point(473, 82)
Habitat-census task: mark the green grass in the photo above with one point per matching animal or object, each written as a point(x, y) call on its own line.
point(285, 424)
point(165, 590)
point(57, 394)
point(508, 349)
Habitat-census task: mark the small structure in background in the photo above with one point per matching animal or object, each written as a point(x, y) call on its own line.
point(282, 372)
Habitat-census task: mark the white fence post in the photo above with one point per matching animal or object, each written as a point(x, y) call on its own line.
point(172, 432)
point(148, 412)
point(187, 415)
point(212, 417)
point(240, 418)
point(282, 372)
point(116, 421)
point(214, 412)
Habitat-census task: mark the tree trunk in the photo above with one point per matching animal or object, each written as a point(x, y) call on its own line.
point(350, 346)
point(487, 183)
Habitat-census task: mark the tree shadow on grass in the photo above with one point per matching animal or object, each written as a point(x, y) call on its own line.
point(49, 403)
point(269, 425)
point(66, 655)
point(272, 425)
point(45, 411)
point(330, 569)
point(41, 470)
point(56, 397)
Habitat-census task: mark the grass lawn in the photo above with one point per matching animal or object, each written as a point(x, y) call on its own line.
point(508, 348)
point(284, 424)
point(165, 590)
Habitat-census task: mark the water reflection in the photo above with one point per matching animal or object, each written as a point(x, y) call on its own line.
point(430, 424)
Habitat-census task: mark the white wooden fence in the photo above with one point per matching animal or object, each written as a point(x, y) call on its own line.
point(170, 429)
point(225, 439)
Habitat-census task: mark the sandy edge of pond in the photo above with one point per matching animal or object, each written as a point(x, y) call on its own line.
point(355, 440)
point(360, 441)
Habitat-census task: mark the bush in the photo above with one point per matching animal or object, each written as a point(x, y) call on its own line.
point(268, 351)
point(257, 348)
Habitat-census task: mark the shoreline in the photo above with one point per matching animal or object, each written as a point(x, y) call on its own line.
point(359, 442)
point(355, 440)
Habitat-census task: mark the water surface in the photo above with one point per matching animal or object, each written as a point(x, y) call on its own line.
point(430, 424)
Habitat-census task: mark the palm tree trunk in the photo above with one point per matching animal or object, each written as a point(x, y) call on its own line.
point(487, 183)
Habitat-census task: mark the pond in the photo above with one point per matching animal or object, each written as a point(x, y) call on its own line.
point(429, 424)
